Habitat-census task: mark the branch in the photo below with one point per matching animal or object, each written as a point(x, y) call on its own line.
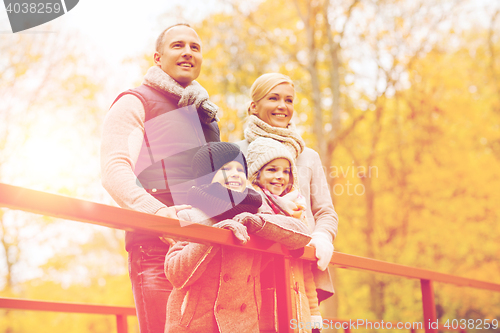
point(491, 46)
point(271, 40)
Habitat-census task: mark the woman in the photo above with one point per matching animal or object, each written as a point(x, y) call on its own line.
point(270, 112)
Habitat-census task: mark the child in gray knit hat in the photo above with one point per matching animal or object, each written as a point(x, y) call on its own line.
point(217, 288)
point(272, 171)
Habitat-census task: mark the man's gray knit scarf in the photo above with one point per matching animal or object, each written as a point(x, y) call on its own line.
point(194, 94)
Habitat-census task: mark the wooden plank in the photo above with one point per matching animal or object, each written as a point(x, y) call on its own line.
point(430, 318)
point(283, 292)
point(36, 305)
point(342, 260)
point(121, 324)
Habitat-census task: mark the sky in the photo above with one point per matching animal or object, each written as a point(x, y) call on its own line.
point(119, 29)
point(111, 30)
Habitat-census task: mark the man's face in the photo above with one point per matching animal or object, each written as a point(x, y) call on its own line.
point(181, 55)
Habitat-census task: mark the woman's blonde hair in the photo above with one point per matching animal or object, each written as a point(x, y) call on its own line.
point(264, 84)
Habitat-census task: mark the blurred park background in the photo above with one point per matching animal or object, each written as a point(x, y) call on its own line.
point(401, 98)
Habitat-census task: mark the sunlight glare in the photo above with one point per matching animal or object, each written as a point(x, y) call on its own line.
point(46, 160)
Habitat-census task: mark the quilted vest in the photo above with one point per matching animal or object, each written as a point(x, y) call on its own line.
point(172, 137)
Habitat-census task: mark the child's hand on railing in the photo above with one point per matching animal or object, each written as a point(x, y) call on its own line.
point(253, 222)
point(167, 240)
point(238, 229)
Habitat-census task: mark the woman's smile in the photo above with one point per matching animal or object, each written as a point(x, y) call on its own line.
point(275, 108)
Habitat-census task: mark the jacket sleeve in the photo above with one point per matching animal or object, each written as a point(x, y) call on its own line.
point(325, 217)
point(122, 138)
point(286, 230)
point(185, 262)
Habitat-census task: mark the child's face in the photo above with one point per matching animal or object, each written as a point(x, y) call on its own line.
point(275, 176)
point(231, 176)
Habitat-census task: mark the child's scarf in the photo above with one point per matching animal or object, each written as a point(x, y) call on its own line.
point(221, 203)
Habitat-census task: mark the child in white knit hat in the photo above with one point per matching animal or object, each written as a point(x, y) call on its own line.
point(272, 171)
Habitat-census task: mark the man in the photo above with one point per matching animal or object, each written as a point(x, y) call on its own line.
point(149, 136)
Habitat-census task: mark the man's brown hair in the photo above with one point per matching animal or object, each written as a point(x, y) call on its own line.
point(159, 40)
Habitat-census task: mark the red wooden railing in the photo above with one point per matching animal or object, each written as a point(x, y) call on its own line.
point(84, 211)
point(121, 312)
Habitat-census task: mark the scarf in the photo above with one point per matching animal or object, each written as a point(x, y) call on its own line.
point(272, 201)
point(288, 136)
point(193, 94)
point(284, 205)
point(221, 203)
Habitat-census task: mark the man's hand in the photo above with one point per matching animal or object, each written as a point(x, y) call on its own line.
point(171, 211)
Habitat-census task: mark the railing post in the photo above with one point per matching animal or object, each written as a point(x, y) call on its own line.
point(430, 319)
point(283, 290)
point(121, 324)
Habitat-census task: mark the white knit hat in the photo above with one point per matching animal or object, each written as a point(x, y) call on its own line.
point(263, 150)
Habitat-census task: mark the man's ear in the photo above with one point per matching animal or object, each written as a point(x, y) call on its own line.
point(156, 58)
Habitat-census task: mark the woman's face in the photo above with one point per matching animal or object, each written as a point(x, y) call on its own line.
point(276, 108)
point(275, 176)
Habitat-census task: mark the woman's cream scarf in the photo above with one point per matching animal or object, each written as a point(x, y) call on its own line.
point(257, 128)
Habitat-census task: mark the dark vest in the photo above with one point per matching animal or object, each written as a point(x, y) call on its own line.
point(172, 136)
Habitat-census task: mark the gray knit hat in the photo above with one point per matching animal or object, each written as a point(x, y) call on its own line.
point(263, 150)
point(211, 157)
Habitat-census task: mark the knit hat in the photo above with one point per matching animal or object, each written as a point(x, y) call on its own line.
point(263, 150)
point(211, 157)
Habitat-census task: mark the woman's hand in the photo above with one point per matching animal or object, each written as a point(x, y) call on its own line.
point(324, 249)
